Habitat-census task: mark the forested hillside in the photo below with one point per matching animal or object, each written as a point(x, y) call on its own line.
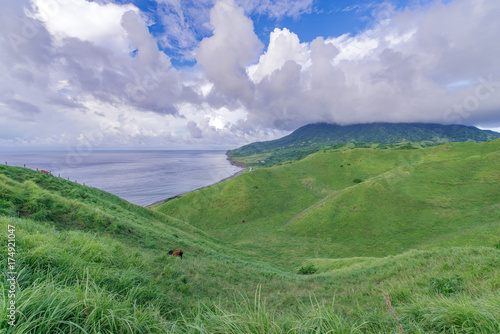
point(310, 138)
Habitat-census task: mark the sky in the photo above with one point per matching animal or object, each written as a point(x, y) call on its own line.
point(218, 74)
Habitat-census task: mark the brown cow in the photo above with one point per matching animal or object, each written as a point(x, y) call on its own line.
point(176, 252)
point(44, 172)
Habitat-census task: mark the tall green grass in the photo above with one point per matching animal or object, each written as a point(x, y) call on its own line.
point(48, 306)
point(64, 287)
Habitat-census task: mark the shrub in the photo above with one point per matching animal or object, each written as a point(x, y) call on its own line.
point(357, 180)
point(307, 270)
point(407, 147)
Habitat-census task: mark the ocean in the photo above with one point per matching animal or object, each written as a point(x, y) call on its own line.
point(140, 177)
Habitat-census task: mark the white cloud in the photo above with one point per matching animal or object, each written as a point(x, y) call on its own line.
point(59, 81)
point(141, 40)
point(231, 48)
point(277, 8)
point(433, 63)
point(185, 22)
point(87, 21)
point(283, 46)
point(401, 69)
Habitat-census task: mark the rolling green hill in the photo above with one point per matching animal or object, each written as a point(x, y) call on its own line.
point(309, 138)
point(90, 262)
point(315, 207)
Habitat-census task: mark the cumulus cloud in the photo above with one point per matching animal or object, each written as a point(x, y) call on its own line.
point(106, 52)
point(226, 54)
point(84, 20)
point(65, 59)
point(141, 40)
point(399, 70)
point(284, 45)
point(187, 22)
point(70, 68)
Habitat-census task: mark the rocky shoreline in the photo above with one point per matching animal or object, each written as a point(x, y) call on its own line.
point(235, 163)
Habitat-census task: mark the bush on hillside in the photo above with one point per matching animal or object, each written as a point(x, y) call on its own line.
point(407, 147)
point(307, 270)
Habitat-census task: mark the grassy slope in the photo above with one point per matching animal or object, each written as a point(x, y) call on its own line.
point(312, 208)
point(90, 259)
point(122, 246)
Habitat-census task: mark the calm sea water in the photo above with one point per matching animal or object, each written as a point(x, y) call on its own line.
point(140, 177)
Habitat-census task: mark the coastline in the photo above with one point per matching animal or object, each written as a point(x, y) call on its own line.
point(235, 163)
point(231, 161)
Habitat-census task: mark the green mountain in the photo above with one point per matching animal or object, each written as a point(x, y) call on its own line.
point(310, 138)
point(389, 238)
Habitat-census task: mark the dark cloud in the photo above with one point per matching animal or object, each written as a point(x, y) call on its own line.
point(23, 107)
point(194, 130)
point(65, 101)
point(25, 40)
